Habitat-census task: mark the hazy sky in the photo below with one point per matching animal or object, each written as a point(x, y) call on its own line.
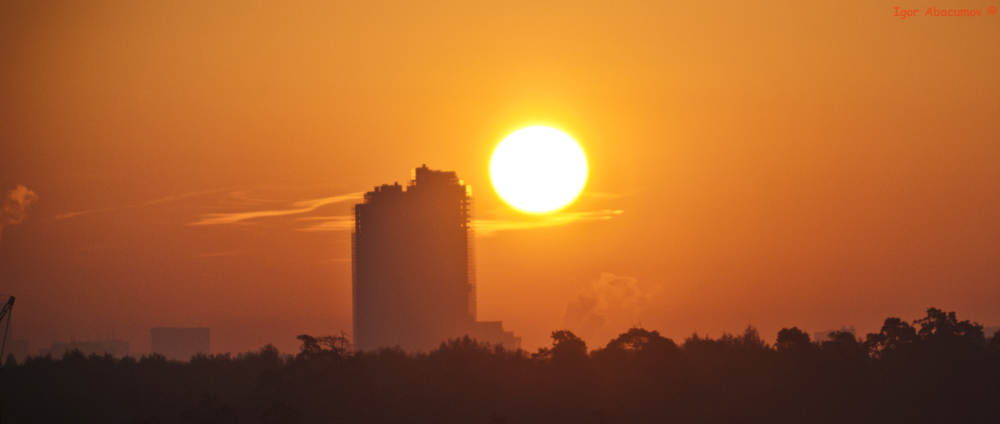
point(810, 164)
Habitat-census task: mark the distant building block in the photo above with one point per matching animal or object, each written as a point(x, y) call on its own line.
point(180, 343)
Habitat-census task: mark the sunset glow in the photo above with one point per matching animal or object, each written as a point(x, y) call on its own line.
point(195, 164)
point(691, 211)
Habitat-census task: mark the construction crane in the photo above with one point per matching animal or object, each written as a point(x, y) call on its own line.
point(3, 314)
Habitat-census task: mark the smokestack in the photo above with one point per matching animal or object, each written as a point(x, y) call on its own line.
point(15, 206)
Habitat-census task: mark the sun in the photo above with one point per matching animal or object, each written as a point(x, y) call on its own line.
point(538, 169)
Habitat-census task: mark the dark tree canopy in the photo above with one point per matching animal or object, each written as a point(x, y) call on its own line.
point(933, 370)
point(793, 341)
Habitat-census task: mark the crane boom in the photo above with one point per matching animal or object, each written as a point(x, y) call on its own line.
point(4, 313)
point(7, 307)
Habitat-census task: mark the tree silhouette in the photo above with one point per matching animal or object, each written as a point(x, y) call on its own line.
point(637, 343)
point(333, 347)
point(792, 341)
point(842, 347)
point(944, 329)
point(937, 369)
point(896, 338)
point(566, 348)
point(637, 340)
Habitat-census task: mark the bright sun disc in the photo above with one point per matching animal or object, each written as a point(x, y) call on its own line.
point(538, 169)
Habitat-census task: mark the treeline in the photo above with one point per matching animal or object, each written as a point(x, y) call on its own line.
point(936, 370)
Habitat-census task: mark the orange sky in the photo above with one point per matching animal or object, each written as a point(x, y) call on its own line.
point(785, 163)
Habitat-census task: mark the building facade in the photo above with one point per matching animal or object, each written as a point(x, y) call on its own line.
point(181, 343)
point(413, 266)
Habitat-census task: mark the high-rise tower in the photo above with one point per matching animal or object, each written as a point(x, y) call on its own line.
point(413, 267)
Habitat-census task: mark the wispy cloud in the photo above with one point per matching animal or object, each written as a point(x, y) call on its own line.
point(78, 213)
point(301, 207)
point(149, 203)
point(484, 227)
point(608, 306)
point(14, 209)
point(329, 223)
point(252, 196)
point(491, 226)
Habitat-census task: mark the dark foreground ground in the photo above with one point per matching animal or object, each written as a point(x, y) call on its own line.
point(935, 370)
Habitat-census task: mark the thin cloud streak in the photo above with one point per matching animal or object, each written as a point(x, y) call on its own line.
point(297, 208)
point(488, 227)
point(149, 203)
point(248, 197)
point(332, 223)
point(484, 227)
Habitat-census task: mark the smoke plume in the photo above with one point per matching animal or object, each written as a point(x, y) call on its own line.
point(610, 305)
point(15, 206)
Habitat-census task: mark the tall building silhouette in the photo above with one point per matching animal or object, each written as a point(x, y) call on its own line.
point(414, 282)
